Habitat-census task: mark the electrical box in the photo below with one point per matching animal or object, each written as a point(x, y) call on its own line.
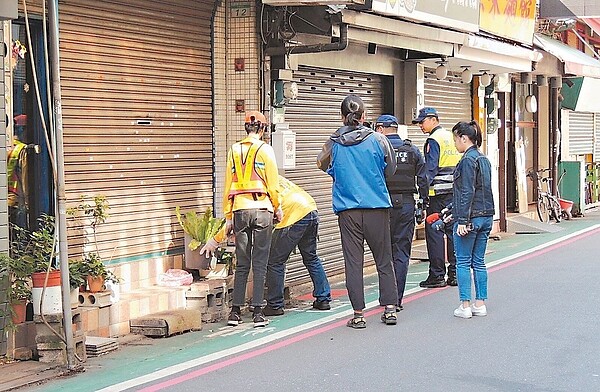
point(283, 142)
point(572, 185)
point(414, 90)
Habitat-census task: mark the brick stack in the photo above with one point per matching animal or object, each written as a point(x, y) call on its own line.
point(212, 297)
point(95, 312)
point(50, 347)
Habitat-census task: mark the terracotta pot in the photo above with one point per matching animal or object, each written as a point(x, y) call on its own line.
point(95, 283)
point(39, 277)
point(19, 310)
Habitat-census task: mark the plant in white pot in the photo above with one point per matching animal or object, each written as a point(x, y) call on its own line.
point(198, 229)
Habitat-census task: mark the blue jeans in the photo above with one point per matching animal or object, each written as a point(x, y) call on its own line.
point(304, 235)
point(470, 252)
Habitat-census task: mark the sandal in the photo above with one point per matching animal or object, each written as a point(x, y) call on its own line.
point(389, 317)
point(357, 322)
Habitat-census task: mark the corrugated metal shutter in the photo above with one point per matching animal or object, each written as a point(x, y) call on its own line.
point(125, 63)
point(581, 133)
point(597, 138)
point(314, 117)
point(451, 98)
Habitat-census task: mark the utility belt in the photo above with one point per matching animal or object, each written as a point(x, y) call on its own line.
point(398, 199)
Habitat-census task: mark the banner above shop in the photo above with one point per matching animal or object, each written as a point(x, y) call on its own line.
point(512, 19)
point(581, 94)
point(458, 14)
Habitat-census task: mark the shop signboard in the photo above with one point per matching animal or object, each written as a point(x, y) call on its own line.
point(512, 19)
point(458, 14)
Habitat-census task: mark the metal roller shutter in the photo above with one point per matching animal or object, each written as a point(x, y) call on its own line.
point(137, 109)
point(581, 133)
point(314, 117)
point(597, 138)
point(450, 97)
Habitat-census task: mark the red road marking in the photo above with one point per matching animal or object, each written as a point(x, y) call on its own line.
point(336, 324)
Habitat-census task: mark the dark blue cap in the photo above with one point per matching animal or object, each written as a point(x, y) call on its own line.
point(424, 113)
point(386, 120)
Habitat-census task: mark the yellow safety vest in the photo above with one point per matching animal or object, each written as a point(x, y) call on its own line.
point(245, 178)
point(449, 158)
point(13, 167)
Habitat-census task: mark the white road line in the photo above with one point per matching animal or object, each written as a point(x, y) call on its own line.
point(181, 367)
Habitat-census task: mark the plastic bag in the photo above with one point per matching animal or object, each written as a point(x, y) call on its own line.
point(174, 278)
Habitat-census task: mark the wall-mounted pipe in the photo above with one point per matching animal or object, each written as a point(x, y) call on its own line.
point(316, 48)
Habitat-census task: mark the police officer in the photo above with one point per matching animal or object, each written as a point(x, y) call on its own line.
point(402, 186)
point(441, 157)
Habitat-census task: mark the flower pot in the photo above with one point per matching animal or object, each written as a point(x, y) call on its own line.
point(38, 279)
point(19, 310)
point(95, 283)
point(193, 259)
point(75, 298)
point(52, 301)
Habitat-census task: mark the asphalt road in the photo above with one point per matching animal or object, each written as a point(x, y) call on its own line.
point(541, 334)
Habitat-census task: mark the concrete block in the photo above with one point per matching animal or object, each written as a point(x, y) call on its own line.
point(99, 300)
point(22, 354)
point(167, 323)
point(80, 351)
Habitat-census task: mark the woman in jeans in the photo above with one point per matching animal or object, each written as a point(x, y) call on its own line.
point(473, 212)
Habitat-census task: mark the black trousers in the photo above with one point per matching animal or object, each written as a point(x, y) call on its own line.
point(372, 225)
point(438, 248)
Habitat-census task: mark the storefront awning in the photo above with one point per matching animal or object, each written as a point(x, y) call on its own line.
point(575, 62)
point(581, 94)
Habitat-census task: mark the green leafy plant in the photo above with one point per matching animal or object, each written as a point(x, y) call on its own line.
point(200, 228)
point(95, 208)
point(77, 274)
point(19, 272)
point(34, 250)
point(92, 265)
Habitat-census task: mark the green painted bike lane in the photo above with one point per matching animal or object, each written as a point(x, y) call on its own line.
point(217, 341)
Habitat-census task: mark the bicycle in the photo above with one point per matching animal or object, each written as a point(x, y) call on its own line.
point(547, 205)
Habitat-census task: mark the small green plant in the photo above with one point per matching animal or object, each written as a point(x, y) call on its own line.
point(36, 249)
point(19, 272)
point(200, 227)
point(94, 208)
point(92, 265)
point(77, 274)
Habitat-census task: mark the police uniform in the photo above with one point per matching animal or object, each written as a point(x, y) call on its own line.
point(410, 166)
point(441, 158)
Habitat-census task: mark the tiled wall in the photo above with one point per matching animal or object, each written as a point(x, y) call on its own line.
point(235, 38)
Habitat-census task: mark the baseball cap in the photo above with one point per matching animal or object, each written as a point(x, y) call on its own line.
point(254, 116)
point(386, 120)
point(424, 113)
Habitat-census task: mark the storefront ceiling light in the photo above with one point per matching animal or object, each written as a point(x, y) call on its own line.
point(485, 79)
point(441, 71)
point(466, 76)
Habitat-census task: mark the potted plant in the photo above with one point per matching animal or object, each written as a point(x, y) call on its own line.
point(19, 289)
point(35, 250)
point(77, 278)
point(96, 272)
point(198, 229)
point(91, 267)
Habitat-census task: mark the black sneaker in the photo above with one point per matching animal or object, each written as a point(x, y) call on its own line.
point(271, 311)
point(259, 320)
point(452, 281)
point(234, 319)
point(321, 305)
point(399, 307)
point(389, 317)
point(432, 282)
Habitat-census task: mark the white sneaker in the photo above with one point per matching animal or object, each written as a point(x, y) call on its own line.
point(479, 311)
point(463, 312)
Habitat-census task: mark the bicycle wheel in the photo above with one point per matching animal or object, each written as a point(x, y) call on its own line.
point(542, 209)
point(555, 210)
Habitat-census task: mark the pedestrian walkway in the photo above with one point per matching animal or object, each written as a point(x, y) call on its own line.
point(143, 360)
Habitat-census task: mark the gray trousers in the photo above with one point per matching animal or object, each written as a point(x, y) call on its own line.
point(253, 230)
point(372, 225)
